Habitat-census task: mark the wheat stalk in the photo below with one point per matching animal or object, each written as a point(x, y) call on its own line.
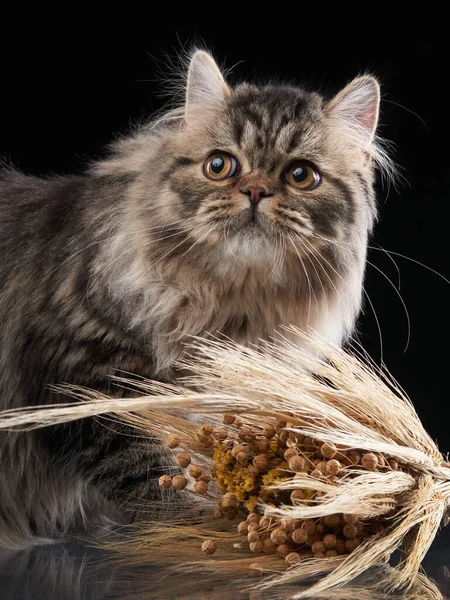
point(330, 395)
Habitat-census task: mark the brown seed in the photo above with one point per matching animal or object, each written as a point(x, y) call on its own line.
point(330, 540)
point(309, 526)
point(229, 500)
point(331, 553)
point(311, 538)
point(352, 544)
point(297, 463)
point(318, 546)
point(333, 467)
point(238, 448)
point(207, 429)
point(283, 550)
point(269, 546)
point(253, 517)
point(205, 477)
point(242, 458)
point(195, 471)
point(340, 547)
point(261, 462)
point(262, 445)
point(229, 419)
point(320, 528)
point(332, 521)
point(173, 441)
point(281, 422)
point(204, 440)
point(253, 536)
point(289, 453)
point(308, 441)
point(230, 514)
point(269, 431)
point(183, 459)
point(283, 436)
point(165, 482)
point(179, 482)
point(350, 531)
point(297, 496)
point(201, 487)
point(264, 522)
point(328, 450)
point(253, 526)
point(393, 464)
point(354, 457)
point(381, 460)
point(319, 555)
point(220, 433)
point(350, 519)
point(292, 558)
point(246, 434)
point(257, 546)
point(278, 536)
point(299, 536)
point(218, 513)
point(288, 525)
point(292, 440)
point(209, 547)
point(316, 474)
point(243, 528)
point(252, 471)
point(369, 461)
point(255, 570)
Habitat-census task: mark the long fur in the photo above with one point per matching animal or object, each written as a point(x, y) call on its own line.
point(115, 269)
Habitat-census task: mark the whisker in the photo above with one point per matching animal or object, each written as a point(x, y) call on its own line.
point(352, 293)
point(310, 288)
point(408, 320)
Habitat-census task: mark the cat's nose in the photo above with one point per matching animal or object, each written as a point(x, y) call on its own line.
point(255, 192)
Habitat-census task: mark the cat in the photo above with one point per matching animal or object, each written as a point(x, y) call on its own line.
point(242, 210)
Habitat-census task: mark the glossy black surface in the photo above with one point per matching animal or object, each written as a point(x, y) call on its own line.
point(75, 570)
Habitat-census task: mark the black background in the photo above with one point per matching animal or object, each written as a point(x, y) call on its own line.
point(64, 96)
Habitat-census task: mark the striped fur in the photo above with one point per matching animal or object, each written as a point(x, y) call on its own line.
point(115, 269)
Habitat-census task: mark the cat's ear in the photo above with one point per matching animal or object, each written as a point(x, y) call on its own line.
point(205, 89)
point(356, 109)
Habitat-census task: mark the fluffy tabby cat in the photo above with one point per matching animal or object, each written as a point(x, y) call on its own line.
point(245, 209)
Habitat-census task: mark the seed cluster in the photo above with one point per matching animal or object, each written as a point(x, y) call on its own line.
point(250, 458)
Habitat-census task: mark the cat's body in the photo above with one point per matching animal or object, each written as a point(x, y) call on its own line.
point(114, 270)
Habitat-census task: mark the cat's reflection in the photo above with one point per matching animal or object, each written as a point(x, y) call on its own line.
point(69, 571)
point(75, 571)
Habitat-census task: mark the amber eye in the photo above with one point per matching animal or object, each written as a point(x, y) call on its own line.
point(302, 175)
point(219, 166)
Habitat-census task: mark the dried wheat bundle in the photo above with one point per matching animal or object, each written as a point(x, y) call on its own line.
point(318, 463)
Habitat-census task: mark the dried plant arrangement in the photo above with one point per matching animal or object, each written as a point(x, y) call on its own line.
point(300, 462)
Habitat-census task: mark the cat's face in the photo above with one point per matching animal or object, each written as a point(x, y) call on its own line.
point(255, 170)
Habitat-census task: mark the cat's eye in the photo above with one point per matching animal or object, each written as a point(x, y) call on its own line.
point(220, 166)
point(302, 175)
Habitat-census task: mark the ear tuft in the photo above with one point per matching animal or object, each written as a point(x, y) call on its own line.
point(357, 106)
point(205, 89)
